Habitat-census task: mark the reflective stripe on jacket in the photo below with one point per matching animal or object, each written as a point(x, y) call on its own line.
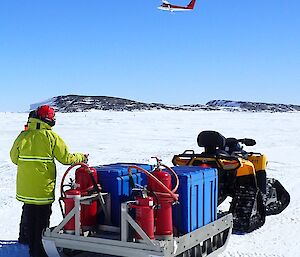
point(34, 152)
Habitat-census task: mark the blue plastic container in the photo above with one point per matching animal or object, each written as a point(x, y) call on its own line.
point(123, 167)
point(114, 179)
point(197, 198)
point(211, 197)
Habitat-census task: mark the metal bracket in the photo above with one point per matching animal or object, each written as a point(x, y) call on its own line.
point(127, 219)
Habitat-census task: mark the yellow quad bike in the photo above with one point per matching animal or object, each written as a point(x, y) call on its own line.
point(242, 176)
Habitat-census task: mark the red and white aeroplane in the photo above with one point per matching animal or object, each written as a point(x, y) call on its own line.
point(166, 6)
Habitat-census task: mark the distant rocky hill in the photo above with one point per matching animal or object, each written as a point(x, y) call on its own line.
point(79, 103)
point(253, 107)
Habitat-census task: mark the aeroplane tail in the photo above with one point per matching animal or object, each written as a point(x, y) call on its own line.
point(191, 4)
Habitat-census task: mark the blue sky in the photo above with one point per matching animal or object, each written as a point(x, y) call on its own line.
point(239, 50)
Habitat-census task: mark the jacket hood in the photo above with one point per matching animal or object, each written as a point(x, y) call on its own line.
point(33, 124)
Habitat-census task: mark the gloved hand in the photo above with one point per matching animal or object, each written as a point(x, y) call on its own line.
point(86, 158)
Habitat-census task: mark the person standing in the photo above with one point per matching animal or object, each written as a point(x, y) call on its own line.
point(34, 152)
point(23, 228)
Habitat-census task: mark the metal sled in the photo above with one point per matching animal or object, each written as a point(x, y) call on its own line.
point(209, 240)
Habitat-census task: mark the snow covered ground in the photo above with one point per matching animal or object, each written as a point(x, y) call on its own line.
point(136, 136)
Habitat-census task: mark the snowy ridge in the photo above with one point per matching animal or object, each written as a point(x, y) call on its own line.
point(80, 103)
point(253, 106)
point(48, 102)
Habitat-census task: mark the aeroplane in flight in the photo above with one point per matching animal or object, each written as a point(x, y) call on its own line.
point(166, 6)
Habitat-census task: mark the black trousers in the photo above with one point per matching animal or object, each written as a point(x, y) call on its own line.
point(38, 218)
point(23, 232)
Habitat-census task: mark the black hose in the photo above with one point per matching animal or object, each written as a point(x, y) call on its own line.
point(95, 184)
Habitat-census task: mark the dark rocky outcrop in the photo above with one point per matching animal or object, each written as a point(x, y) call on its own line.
point(253, 106)
point(80, 103)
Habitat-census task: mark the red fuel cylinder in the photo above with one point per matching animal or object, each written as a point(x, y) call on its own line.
point(84, 184)
point(163, 214)
point(163, 177)
point(144, 215)
point(69, 201)
point(164, 221)
point(205, 165)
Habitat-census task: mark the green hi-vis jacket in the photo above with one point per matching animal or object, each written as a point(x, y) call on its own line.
point(34, 151)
